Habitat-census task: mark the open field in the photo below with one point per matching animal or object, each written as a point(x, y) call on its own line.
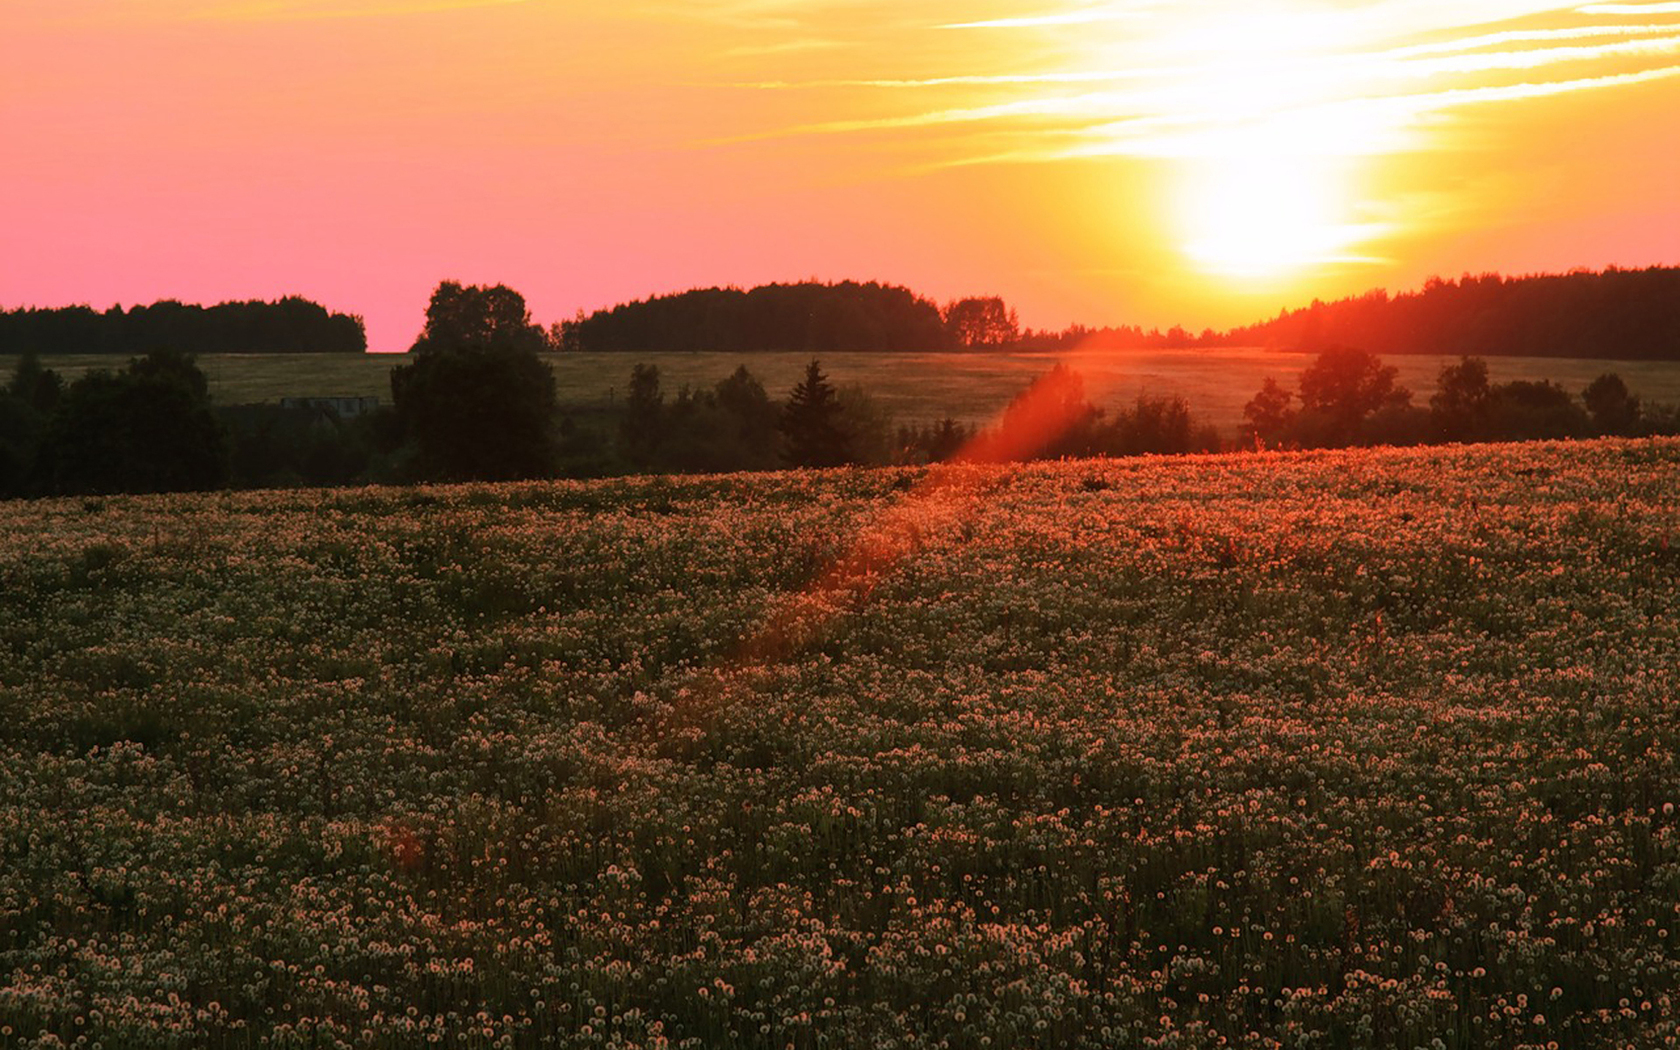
point(1340, 750)
point(971, 387)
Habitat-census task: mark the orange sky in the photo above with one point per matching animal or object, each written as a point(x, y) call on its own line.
point(1104, 161)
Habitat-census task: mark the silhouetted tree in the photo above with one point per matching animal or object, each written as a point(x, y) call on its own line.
point(1616, 313)
point(1460, 402)
point(1159, 426)
point(475, 401)
point(749, 414)
point(1614, 410)
point(148, 428)
point(35, 386)
point(1269, 416)
point(469, 317)
point(643, 428)
point(934, 442)
point(1524, 410)
point(813, 431)
point(810, 316)
point(1340, 389)
point(982, 321)
point(289, 325)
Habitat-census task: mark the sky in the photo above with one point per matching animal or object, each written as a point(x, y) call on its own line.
point(1204, 162)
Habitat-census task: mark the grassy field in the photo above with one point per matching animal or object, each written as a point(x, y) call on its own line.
point(1340, 750)
point(915, 388)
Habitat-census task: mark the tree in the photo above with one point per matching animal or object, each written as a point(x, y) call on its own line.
point(750, 415)
point(1524, 409)
point(643, 428)
point(37, 387)
point(1460, 403)
point(981, 321)
point(478, 317)
point(1614, 410)
point(476, 402)
point(148, 428)
point(1269, 416)
point(812, 429)
point(1341, 388)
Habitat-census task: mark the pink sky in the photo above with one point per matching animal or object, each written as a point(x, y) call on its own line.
point(1203, 162)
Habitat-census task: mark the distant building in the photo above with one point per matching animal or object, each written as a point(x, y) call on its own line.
point(343, 407)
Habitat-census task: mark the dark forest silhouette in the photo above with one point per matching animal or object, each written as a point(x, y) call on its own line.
point(1627, 314)
point(291, 325)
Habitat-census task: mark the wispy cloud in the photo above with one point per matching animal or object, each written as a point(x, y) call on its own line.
point(1228, 77)
point(286, 10)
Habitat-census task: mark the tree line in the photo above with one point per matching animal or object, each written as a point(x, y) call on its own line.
point(1347, 396)
point(474, 400)
point(291, 325)
point(1629, 314)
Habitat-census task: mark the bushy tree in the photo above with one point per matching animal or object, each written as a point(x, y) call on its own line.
point(468, 317)
point(643, 429)
point(1524, 410)
point(148, 428)
point(813, 430)
point(1268, 415)
point(1460, 403)
point(933, 442)
point(1340, 389)
point(1613, 409)
point(476, 402)
point(981, 321)
point(1159, 426)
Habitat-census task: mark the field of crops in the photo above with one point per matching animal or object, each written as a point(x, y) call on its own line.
point(1352, 749)
point(913, 388)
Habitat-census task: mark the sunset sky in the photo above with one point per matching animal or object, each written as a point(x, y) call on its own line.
point(1134, 161)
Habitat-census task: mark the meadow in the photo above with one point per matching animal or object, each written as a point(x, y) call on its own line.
point(913, 388)
point(1334, 749)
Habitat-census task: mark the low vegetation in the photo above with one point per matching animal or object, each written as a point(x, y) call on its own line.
point(1331, 749)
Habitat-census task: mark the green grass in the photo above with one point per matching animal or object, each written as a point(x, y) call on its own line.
point(1341, 750)
point(971, 387)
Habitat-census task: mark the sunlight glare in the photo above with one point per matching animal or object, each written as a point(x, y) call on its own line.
point(1267, 217)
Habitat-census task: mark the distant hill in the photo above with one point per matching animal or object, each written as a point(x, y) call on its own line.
point(1630, 314)
point(806, 317)
point(291, 325)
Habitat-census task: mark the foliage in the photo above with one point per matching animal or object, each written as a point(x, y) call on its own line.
point(287, 326)
point(1342, 387)
point(644, 428)
point(808, 318)
point(1268, 416)
point(1158, 426)
point(1618, 313)
point(932, 442)
point(984, 321)
point(813, 425)
point(1613, 409)
point(277, 447)
point(148, 428)
point(475, 400)
point(1337, 749)
point(478, 317)
point(1460, 403)
point(1525, 409)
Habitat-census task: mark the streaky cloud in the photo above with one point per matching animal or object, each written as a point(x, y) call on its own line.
point(302, 10)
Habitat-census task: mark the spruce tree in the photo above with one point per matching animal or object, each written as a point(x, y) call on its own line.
point(813, 431)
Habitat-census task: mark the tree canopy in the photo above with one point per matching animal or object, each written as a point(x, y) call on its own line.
point(809, 317)
point(289, 325)
point(475, 402)
point(478, 317)
point(147, 428)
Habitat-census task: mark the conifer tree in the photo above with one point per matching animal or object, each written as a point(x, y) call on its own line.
point(813, 430)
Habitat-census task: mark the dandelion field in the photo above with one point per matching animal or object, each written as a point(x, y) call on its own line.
point(1337, 749)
